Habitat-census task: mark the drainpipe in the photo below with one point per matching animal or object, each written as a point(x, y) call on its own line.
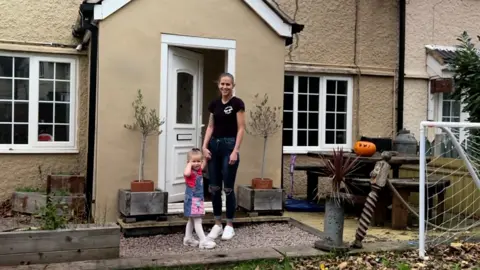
point(401, 64)
point(92, 110)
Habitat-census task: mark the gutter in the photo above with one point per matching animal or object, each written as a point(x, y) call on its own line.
point(88, 29)
point(401, 64)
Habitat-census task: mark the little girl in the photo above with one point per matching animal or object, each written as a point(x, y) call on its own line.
point(193, 205)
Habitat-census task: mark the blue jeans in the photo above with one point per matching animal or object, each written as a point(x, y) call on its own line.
point(222, 173)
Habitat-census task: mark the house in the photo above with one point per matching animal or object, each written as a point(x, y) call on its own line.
point(341, 78)
point(74, 68)
point(431, 36)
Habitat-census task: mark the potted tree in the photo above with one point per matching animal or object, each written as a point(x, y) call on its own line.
point(337, 169)
point(261, 196)
point(147, 123)
point(264, 123)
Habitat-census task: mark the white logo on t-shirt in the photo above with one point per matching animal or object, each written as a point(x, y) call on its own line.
point(228, 110)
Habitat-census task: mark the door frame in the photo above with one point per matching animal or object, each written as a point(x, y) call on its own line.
point(168, 40)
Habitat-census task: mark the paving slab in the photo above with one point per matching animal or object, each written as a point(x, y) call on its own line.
point(193, 258)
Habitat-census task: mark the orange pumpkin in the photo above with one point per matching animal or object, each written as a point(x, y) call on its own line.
point(363, 148)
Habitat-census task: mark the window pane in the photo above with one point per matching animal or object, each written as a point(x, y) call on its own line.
point(45, 112)
point(313, 121)
point(61, 133)
point(329, 137)
point(330, 121)
point(313, 103)
point(341, 104)
point(330, 103)
point(341, 87)
point(341, 137)
point(288, 84)
point(446, 108)
point(341, 121)
point(288, 120)
point(5, 133)
point(20, 134)
point(21, 90)
point(184, 98)
point(331, 87)
point(288, 101)
point(45, 133)
point(6, 66)
point(45, 90)
point(456, 108)
point(287, 137)
point(62, 91)
point(22, 67)
point(20, 112)
point(302, 138)
point(303, 84)
point(302, 102)
point(313, 138)
point(46, 70)
point(5, 111)
point(62, 113)
point(5, 89)
point(314, 85)
point(302, 120)
point(62, 71)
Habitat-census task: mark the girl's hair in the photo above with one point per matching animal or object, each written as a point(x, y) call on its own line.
point(194, 151)
point(226, 74)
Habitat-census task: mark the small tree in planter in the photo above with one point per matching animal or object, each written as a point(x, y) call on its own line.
point(337, 169)
point(264, 123)
point(147, 123)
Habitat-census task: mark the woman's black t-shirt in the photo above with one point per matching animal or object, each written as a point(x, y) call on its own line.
point(225, 116)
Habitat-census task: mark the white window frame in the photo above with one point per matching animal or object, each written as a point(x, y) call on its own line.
point(322, 146)
point(34, 146)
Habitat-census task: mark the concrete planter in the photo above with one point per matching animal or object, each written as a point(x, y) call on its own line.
point(132, 204)
point(86, 242)
point(260, 199)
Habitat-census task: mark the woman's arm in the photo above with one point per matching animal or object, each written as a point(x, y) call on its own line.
point(240, 130)
point(208, 132)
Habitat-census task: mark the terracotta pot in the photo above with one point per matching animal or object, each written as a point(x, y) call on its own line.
point(259, 183)
point(142, 186)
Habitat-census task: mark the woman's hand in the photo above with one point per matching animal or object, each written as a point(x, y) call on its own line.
point(206, 153)
point(233, 158)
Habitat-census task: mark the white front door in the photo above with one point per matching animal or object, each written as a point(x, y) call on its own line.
point(184, 116)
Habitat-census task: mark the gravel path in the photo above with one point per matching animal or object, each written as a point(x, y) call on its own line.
point(253, 236)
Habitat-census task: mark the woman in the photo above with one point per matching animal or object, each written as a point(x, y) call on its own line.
point(221, 145)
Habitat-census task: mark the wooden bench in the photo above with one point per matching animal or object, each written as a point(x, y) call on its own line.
point(405, 186)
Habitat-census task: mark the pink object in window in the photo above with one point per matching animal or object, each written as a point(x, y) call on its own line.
point(44, 137)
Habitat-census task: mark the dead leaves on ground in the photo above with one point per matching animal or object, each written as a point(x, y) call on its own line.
point(453, 256)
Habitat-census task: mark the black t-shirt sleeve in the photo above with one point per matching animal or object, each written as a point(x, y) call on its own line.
point(239, 105)
point(211, 106)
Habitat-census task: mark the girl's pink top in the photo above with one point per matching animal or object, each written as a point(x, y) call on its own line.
point(190, 180)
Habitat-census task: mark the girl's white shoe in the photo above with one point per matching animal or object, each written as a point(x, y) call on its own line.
point(207, 244)
point(190, 242)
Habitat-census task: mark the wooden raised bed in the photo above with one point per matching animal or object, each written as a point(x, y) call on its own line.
point(133, 205)
point(32, 202)
point(88, 242)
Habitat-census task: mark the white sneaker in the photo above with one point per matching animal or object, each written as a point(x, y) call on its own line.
point(190, 242)
point(207, 244)
point(228, 233)
point(216, 231)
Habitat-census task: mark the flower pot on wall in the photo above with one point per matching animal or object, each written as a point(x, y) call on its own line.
point(259, 183)
point(142, 186)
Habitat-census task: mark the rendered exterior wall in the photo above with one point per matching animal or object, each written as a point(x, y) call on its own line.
point(32, 22)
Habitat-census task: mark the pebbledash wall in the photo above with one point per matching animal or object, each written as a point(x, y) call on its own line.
point(431, 23)
point(27, 28)
point(356, 41)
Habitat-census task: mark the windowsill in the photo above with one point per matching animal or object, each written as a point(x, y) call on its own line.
point(40, 151)
point(305, 151)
